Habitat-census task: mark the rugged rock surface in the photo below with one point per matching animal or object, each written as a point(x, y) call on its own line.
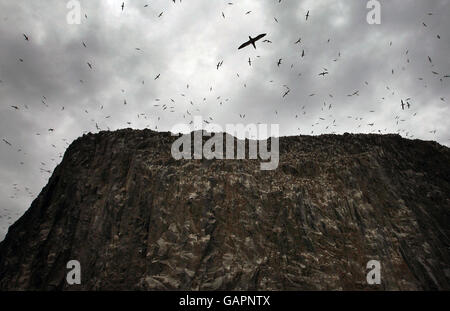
point(137, 219)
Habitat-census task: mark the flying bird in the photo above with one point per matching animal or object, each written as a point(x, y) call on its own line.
point(252, 41)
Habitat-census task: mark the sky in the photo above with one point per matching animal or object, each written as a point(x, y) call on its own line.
point(49, 95)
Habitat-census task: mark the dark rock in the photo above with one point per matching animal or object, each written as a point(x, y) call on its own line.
point(137, 219)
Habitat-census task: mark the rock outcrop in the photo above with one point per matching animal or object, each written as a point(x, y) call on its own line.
point(136, 219)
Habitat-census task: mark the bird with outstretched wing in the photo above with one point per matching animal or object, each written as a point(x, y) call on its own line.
point(252, 41)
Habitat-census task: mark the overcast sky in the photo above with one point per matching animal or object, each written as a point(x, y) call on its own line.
point(54, 88)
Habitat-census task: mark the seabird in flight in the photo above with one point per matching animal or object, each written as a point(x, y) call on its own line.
point(252, 41)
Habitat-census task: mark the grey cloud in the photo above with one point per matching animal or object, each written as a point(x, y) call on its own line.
point(184, 46)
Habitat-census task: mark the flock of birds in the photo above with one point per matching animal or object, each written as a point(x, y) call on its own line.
point(324, 123)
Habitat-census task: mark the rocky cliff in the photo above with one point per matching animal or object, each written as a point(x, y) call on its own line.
point(135, 218)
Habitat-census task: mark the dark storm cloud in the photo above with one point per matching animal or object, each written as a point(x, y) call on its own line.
point(129, 49)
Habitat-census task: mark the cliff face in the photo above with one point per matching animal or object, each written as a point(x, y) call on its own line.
point(137, 219)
